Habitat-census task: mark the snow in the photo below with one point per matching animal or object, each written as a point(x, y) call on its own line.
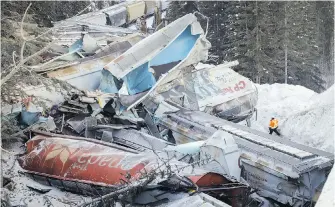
point(149, 21)
point(20, 195)
point(327, 195)
point(203, 66)
point(304, 116)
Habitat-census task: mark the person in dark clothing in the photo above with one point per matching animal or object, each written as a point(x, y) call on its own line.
point(273, 126)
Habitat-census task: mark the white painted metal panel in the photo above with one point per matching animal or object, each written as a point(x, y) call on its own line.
point(220, 84)
point(135, 10)
point(158, 41)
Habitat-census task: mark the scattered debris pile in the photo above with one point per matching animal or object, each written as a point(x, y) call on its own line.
point(146, 126)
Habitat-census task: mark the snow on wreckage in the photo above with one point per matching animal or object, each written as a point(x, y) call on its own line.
point(103, 143)
point(179, 44)
point(110, 157)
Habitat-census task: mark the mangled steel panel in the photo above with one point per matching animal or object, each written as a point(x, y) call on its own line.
point(78, 28)
point(139, 140)
point(80, 160)
point(90, 44)
point(217, 90)
point(181, 42)
point(86, 73)
point(152, 46)
point(184, 149)
point(99, 163)
point(97, 17)
point(116, 48)
point(117, 16)
point(282, 170)
point(220, 149)
point(119, 43)
point(67, 35)
point(220, 84)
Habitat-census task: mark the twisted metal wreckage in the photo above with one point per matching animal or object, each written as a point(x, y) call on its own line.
point(157, 131)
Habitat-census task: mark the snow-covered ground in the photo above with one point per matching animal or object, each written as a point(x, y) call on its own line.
point(19, 194)
point(304, 116)
point(326, 198)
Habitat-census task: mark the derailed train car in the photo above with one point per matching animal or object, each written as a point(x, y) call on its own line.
point(93, 167)
point(159, 74)
point(147, 73)
point(224, 93)
point(217, 90)
point(121, 14)
point(279, 169)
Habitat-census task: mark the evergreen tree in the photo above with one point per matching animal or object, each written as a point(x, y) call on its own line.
point(178, 9)
point(325, 28)
point(215, 28)
point(261, 34)
point(303, 50)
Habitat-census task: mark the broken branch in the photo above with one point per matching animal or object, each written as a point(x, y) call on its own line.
point(2, 149)
point(23, 61)
point(21, 28)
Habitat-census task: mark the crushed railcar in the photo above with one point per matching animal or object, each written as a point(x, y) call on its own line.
point(93, 167)
point(282, 170)
point(158, 124)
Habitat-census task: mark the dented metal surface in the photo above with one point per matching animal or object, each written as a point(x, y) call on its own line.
point(139, 140)
point(216, 90)
point(87, 162)
point(120, 14)
point(66, 35)
point(182, 40)
point(85, 74)
point(282, 170)
point(225, 93)
point(94, 162)
point(220, 84)
point(117, 12)
point(93, 167)
point(162, 65)
point(220, 148)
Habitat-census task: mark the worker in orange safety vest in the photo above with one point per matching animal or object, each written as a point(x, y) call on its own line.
point(273, 126)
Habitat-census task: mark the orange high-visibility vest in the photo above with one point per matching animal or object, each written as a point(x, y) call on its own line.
point(273, 123)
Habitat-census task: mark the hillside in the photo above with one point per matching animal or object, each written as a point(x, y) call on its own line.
point(304, 116)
